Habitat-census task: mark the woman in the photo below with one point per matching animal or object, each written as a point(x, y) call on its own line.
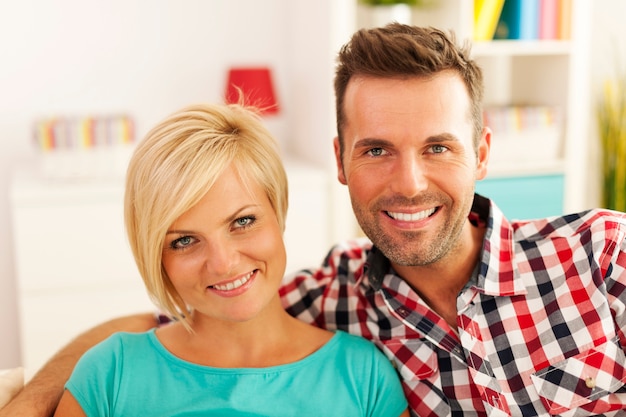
point(205, 207)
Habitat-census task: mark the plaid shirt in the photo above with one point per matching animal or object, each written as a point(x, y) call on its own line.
point(540, 325)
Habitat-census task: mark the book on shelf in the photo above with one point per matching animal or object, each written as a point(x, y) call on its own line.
point(564, 17)
point(486, 16)
point(76, 133)
point(548, 19)
point(534, 20)
point(524, 133)
point(84, 147)
point(529, 19)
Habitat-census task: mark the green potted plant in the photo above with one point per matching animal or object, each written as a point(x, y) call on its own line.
point(612, 132)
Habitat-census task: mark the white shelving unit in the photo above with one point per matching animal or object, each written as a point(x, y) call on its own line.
point(547, 72)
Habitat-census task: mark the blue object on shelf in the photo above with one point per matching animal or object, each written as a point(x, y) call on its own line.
point(519, 19)
point(526, 197)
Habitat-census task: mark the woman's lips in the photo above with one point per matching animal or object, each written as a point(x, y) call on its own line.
point(236, 286)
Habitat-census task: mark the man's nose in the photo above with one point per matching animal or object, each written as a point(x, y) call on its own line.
point(409, 177)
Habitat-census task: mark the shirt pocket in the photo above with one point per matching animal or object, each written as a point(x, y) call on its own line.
point(591, 376)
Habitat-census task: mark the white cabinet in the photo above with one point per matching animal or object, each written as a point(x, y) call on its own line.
point(75, 268)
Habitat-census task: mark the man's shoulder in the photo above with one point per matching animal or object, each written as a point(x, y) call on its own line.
point(355, 251)
point(305, 292)
point(357, 248)
point(344, 264)
point(596, 220)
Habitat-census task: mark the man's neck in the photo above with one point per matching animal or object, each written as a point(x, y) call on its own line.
point(439, 284)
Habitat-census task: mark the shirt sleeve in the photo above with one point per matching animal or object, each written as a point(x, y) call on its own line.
point(613, 267)
point(93, 382)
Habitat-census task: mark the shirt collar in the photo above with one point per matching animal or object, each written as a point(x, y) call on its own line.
point(376, 267)
point(497, 273)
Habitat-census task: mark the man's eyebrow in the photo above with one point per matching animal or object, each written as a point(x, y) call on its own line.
point(442, 137)
point(372, 143)
point(383, 143)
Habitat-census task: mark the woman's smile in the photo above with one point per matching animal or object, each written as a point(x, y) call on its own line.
point(234, 287)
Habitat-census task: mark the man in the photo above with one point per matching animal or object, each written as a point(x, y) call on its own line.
point(481, 316)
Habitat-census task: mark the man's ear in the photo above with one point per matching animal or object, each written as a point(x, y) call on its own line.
point(341, 176)
point(482, 153)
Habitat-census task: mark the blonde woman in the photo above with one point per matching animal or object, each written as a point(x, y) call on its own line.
point(205, 207)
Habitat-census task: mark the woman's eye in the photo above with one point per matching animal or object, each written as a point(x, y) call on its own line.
point(245, 221)
point(181, 242)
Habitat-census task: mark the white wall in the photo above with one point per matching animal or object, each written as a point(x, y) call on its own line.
point(145, 57)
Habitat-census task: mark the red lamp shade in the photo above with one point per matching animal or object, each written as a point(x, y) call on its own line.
point(255, 85)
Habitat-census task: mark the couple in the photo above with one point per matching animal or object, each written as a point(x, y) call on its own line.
point(479, 314)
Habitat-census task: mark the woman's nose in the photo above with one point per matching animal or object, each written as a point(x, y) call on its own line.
point(221, 256)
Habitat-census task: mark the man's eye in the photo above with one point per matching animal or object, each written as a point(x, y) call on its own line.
point(438, 148)
point(181, 242)
point(376, 151)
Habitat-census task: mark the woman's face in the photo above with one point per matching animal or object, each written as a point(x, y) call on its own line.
point(226, 256)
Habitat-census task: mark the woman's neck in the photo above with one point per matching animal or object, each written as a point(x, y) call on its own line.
point(273, 338)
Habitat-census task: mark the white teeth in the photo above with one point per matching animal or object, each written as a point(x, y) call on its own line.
point(234, 284)
point(411, 217)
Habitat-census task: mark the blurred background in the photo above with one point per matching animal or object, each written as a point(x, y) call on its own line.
point(63, 258)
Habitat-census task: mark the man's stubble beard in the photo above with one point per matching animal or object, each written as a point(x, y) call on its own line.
point(411, 248)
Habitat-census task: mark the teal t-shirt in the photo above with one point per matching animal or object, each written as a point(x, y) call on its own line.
point(132, 374)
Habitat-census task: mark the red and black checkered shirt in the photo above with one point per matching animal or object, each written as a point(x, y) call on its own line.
point(540, 324)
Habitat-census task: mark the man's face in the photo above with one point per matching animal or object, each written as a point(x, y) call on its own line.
point(410, 164)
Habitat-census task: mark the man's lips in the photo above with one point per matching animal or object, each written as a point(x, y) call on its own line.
point(411, 217)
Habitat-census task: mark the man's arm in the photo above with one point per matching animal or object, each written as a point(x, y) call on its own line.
point(41, 395)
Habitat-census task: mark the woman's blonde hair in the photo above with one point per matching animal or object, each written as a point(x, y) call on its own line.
point(175, 165)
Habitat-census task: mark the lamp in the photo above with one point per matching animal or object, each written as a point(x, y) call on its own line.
point(254, 85)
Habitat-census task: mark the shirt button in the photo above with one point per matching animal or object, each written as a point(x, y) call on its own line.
point(590, 382)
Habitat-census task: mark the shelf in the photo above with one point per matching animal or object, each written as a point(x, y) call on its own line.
point(538, 167)
point(521, 48)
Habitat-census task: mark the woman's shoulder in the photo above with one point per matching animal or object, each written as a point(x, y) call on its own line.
point(122, 342)
point(355, 344)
